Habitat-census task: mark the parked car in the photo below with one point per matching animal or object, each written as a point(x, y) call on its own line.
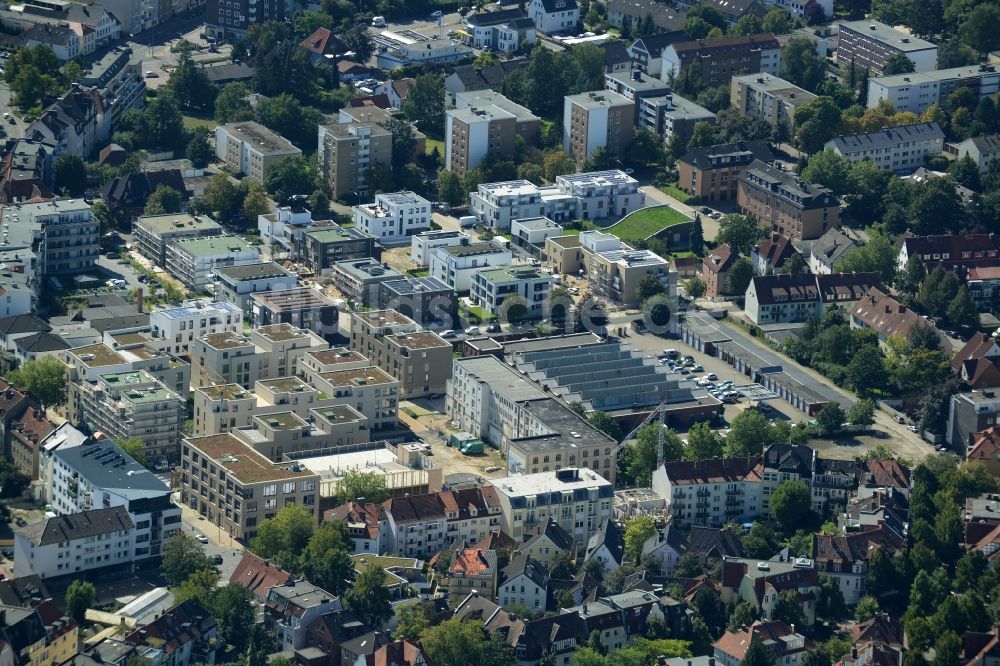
point(912, 428)
point(448, 334)
point(712, 376)
point(217, 559)
point(436, 15)
point(201, 538)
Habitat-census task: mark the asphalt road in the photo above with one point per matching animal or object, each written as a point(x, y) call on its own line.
point(13, 130)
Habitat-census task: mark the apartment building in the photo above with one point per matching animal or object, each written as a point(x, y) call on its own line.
point(504, 30)
point(483, 124)
point(422, 245)
point(599, 194)
point(61, 232)
point(236, 284)
point(982, 149)
point(781, 642)
point(829, 250)
point(320, 247)
point(918, 91)
point(969, 413)
point(768, 98)
point(717, 61)
point(614, 268)
point(98, 541)
point(900, 149)
point(235, 488)
point(785, 203)
point(230, 21)
point(870, 44)
point(882, 313)
point(419, 360)
point(845, 558)
point(671, 114)
point(578, 500)
point(79, 473)
point(358, 280)
point(175, 329)
point(592, 120)
point(423, 525)
point(250, 148)
point(267, 352)
point(713, 492)
point(130, 405)
point(280, 229)
point(713, 173)
point(154, 232)
point(301, 308)
point(554, 16)
point(393, 218)
point(527, 288)
point(456, 265)
point(772, 299)
point(368, 389)
point(193, 261)
point(637, 86)
point(426, 300)
point(347, 151)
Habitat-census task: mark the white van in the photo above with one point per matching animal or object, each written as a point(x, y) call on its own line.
point(378, 21)
point(467, 221)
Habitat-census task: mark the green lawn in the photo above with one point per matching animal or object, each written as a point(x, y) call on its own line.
point(190, 122)
point(676, 193)
point(432, 144)
point(644, 223)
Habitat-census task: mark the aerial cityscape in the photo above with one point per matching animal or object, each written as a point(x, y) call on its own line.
point(538, 333)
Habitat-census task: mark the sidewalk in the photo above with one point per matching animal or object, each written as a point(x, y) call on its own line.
point(192, 519)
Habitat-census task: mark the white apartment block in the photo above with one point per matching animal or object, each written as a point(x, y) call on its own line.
point(394, 218)
point(70, 545)
point(61, 232)
point(918, 91)
point(422, 245)
point(268, 352)
point(527, 286)
point(497, 204)
point(871, 45)
point(250, 148)
point(178, 327)
point(283, 226)
point(578, 500)
point(194, 260)
point(900, 149)
point(236, 284)
point(554, 16)
point(711, 492)
point(422, 525)
point(602, 194)
point(456, 265)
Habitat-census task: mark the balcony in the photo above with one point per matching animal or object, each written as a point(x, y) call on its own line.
point(704, 493)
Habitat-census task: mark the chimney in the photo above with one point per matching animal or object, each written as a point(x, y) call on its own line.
point(138, 300)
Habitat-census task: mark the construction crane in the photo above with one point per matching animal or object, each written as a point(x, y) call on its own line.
point(660, 412)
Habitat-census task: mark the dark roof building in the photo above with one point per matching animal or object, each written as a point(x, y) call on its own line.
point(77, 526)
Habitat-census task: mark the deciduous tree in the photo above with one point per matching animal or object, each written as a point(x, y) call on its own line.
point(355, 484)
point(45, 378)
point(369, 597)
point(791, 505)
point(79, 597)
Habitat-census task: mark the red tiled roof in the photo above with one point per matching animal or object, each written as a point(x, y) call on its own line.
point(721, 259)
point(471, 562)
point(985, 445)
point(398, 653)
point(257, 575)
point(885, 473)
point(714, 470)
point(735, 644)
point(854, 547)
point(978, 362)
point(358, 513)
point(323, 42)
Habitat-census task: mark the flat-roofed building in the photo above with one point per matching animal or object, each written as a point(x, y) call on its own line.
point(456, 265)
point(636, 85)
point(713, 173)
point(404, 467)
point(394, 217)
point(483, 124)
point(358, 279)
point(599, 119)
point(153, 233)
point(900, 149)
point(767, 98)
point(127, 352)
point(280, 434)
point(348, 151)
point(267, 353)
point(785, 203)
point(614, 268)
point(918, 91)
point(871, 44)
point(61, 232)
point(419, 360)
point(426, 300)
point(524, 290)
point(236, 488)
point(423, 244)
point(194, 260)
point(250, 148)
point(368, 389)
point(321, 247)
point(301, 307)
point(235, 284)
point(718, 60)
point(671, 114)
point(176, 328)
point(563, 254)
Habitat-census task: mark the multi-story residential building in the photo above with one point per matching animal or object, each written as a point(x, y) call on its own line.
point(646, 52)
point(845, 558)
point(176, 328)
point(631, 13)
point(918, 91)
point(250, 148)
point(426, 300)
point(969, 413)
point(578, 500)
point(473, 570)
point(423, 245)
point(785, 203)
point(268, 352)
point(117, 76)
point(600, 119)
point(882, 313)
point(759, 582)
point(981, 149)
point(614, 268)
point(524, 583)
point(719, 60)
point(711, 492)
point(292, 608)
point(321, 247)
point(784, 462)
point(79, 474)
point(39, 632)
point(393, 218)
point(672, 114)
point(530, 233)
point(153, 233)
point(61, 232)
point(98, 540)
point(554, 16)
point(368, 389)
point(301, 307)
point(235, 284)
point(503, 30)
point(358, 280)
point(498, 204)
point(768, 98)
point(456, 265)
point(367, 526)
point(420, 360)
point(347, 151)
point(24, 436)
point(131, 351)
point(423, 525)
point(525, 287)
point(236, 488)
point(131, 405)
point(281, 229)
point(466, 78)
point(781, 642)
point(26, 171)
point(398, 50)
point(870, 45)
point(772, 299)
point(188, 632)
point(829, 250)
point(901, 149)
point(228, 20)
point(636, 85)
point(713, 173)
point(483, 124)
point(193, 261)
point(77, 123)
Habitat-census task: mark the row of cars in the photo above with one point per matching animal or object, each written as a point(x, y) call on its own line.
point(685, 365)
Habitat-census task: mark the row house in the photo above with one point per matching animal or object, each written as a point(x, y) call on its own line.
point(712, 491)
point(845, 558)
point(422, 525)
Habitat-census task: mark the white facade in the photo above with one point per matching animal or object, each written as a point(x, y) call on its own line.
point(899, 149)
point(283, 226)
point(524, 590)
point(705, 499)
point(193, 260)
point(492, 287)
point(534, 231)
point(458, 264)
point(422, 245)
point(71, 544)
point(798, 7)
point(394, 218)
point(918, 91)
point(178, 327)
point(554, 16)
point(250, 148)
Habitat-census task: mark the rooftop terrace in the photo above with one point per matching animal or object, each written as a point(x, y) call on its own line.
point(245, 464)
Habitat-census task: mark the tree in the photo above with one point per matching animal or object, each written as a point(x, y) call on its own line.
point(557, 163)
point(286, 116)
point(702, 135)
point(648, 286)
point(188, 84)
point(965, 171)
point(182, 556)
point(411, 622)
point(198, 150)
point(866, 609)
point(912, 276)
point(231, 104)
point(424, 103)
point(606, 424)
point(456, 643)
point(756, 654)
point(746, 25)
point(703, 442)
point(44, 378)
point(830, 604)
point(233, 609)
point(861, 413)
point(740, 276)
point(791, 505)
point(646, 148)
point(256, 202)
point(70, 175)
point(200, 586)
point(355, 484)
point(741, 232)
point(787, 608)
point(697, 238)
point(369, 597)
point(898, 64)
point(878, 255)
point(816, 122)
point(831, 418)
point(162, 201)
point(935, 203)
point(288, 177)
point(800, 64)
point(284, 537)
point(637, 531)
point(962, 311)
point(866, 374)
point(326, 559)
point(134, 448)
point(979, 28)
point(450, 188)
point(695, 287)
point(948, 648)
point(161, 125)
point(829, 169)
point(748, 434)
point(79, 597)
point(777, 21)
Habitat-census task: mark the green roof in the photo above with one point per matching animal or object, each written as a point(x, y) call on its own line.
point(148, 395)
point(513, 273)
